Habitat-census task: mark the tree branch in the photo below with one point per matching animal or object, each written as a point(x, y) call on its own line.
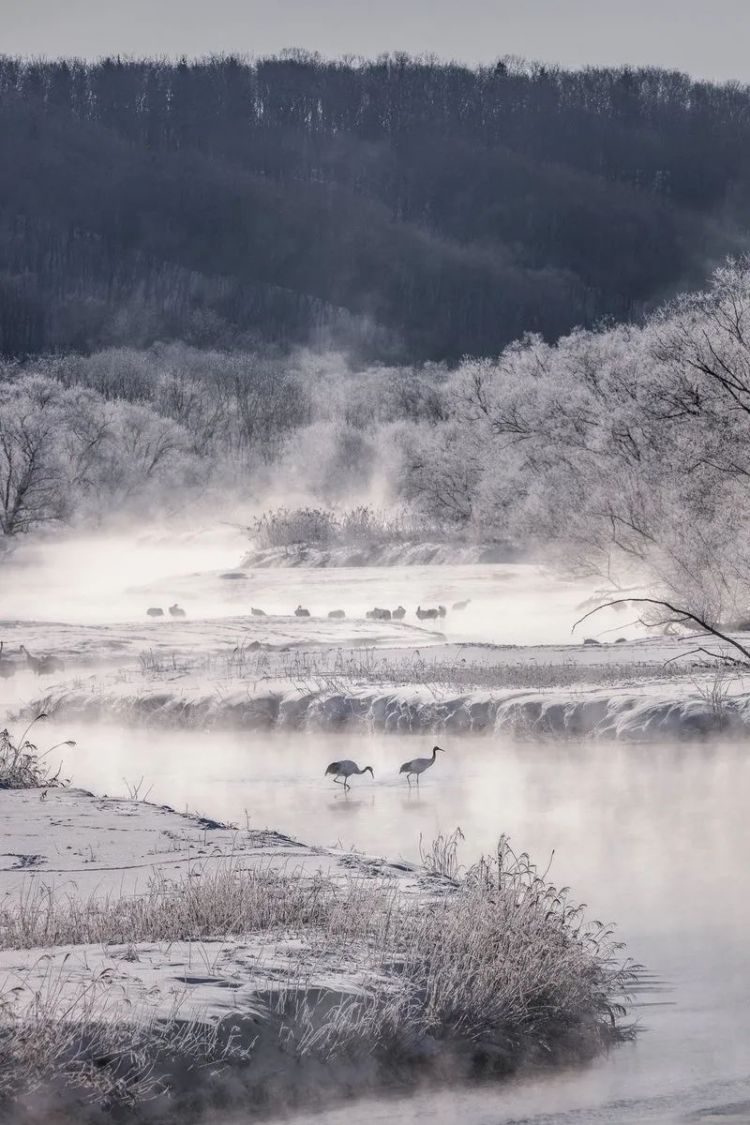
point(684, 614)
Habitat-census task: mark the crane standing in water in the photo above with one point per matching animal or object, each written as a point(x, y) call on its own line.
point(42, 665)
point(419, 765)
point(346, 769)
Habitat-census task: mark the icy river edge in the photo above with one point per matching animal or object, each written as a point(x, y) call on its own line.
point(266, 1016)
point(288, 673)
point(679, 711)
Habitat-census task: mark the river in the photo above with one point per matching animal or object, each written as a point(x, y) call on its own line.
point(653, 837)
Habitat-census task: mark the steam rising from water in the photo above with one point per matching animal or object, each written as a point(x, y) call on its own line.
point(655, 837)
point(99, 578)
point(115, 577)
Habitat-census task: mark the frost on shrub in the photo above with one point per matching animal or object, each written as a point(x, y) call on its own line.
point(21, 764)
point(492, 964)
point(360, 526)
point(285, 528)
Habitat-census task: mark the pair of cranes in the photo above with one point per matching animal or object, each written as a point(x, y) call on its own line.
point(347, 768)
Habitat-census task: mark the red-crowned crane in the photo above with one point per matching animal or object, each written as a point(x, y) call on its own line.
point(419, 765)
point(346, 769)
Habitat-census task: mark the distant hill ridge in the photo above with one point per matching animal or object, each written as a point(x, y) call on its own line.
point(414, 209)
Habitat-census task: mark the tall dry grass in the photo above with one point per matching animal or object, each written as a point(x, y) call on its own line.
point(22, 765)
point(494, 956)
point(342, 669)
point(502, 959)
point(51, 1035)
point(361, 526)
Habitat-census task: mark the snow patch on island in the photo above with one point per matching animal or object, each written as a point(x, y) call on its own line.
point(660, 709)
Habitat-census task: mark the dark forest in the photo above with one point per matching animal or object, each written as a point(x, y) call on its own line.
point(409, 209)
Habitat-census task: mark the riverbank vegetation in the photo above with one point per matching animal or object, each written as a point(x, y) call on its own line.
point(617, 451)
point(22, 766)
point(482, 969)
point(361, 526)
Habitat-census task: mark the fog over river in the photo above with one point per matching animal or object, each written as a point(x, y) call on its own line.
point(115, 578)
point(654, 837)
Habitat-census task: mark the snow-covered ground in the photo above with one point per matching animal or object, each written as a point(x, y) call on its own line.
point(504, 656)
point(678, 708)
point(79, 645)
point(507, 662)
point(70, 846)
point(290, 673)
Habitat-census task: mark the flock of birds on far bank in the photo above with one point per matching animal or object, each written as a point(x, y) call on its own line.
point(346, 768)
point(48, 664)
point(376, 614)
point(173, 611)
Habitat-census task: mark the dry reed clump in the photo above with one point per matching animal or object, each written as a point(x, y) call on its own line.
point(341, 670)
point(362, 526)
point(493, 961)
point(21, 764)
point(112, 1054)
point(504, 965)
point(717, 693)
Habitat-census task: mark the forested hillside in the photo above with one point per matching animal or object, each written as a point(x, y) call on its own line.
point(412, 209)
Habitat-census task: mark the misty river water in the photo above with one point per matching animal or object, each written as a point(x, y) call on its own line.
point(654, 837)
point(114, 578)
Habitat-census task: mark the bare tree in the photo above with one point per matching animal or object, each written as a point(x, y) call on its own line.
point(682, 618)
point(32, 476)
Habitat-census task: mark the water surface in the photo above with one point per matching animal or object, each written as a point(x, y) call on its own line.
point(116, 578)
point(654, 837)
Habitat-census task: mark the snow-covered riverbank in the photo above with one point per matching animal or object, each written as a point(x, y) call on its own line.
point(678, 709)
point(146, 952)
point(68, 845)
point(312, 673)
point(270, 669)
point(187, 640)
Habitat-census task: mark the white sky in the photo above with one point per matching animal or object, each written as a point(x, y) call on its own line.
point(707, 38)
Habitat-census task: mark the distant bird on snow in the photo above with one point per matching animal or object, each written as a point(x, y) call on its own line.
point(346, 769)
point(176, 611)
point(427, 614)
point(419, 765)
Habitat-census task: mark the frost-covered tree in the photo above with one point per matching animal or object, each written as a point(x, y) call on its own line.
point(627, 448)
point(66, 452)
point(33, 472)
